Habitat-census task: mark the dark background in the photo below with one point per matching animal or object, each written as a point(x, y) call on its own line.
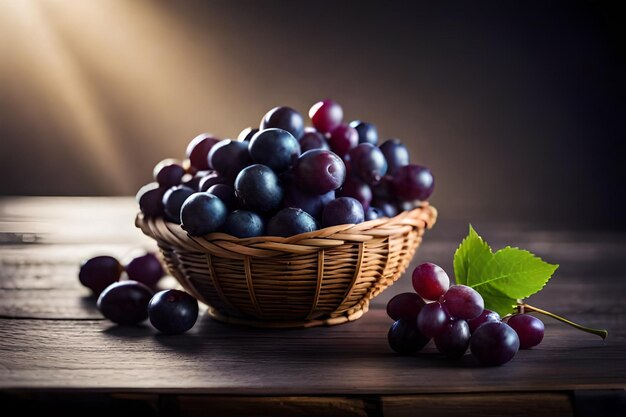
point(518, 108)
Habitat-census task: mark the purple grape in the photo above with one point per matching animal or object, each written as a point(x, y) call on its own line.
point(202, 213)
point(355, 188)
point(173, 200)
point(173, 311)
point(494, 343)
point(405, 338)
point(396, 154)
point(406, 305)
point(383, 190)
point(373, 213)
point(367, 132)
point(342, 139)
point(368, 162)
point(226, 193)
point(408, 205)
point(432, 319)
point(319, 171)
point(291, 221)
point(463, 302)
point(125, 302)
point(454, 339)
point(275, 148)
point(326, 115)
point(246, 134)
point(212, 179)
point(99, 272)
point(485, 317)
point(529, 329)
point(150, 199)
point(146, 269)
point(229, 157)
point(313, 140)
point(430, 281)
point(168, 173)
point(343, 210)
point(258, 189)
point(198, 151)
point(243, 223)
point(284, 118)
point(311, 203)
point(388, 209)
point(413, 182)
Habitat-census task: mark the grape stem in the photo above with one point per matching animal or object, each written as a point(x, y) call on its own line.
point(523, 307)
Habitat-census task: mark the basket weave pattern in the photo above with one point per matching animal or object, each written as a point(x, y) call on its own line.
point(324, 277)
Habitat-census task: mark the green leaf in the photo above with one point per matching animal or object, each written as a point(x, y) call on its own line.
point(470, 257)
point(501, 278)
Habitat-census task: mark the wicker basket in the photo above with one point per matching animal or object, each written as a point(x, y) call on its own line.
point(325, 277)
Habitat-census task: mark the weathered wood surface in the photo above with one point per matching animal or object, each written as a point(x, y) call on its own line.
point(52, 337)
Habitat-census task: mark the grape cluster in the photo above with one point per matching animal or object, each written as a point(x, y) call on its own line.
point(285, 178)
point(132, 300)
point(455, 318)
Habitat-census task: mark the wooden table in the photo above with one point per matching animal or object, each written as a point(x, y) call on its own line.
point(57, 351)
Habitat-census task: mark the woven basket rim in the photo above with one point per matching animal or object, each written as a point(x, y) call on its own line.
point(333, 232)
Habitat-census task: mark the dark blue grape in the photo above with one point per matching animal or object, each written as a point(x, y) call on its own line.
point(373, 213)
point(383, 190)
point(243, 223)
point(212, 179)
point(319, 171)
point(275, 148)
point(258, 189)
point(173, 200)
point(168, 173)
point(355, 188)
point(193, 181)
point(246, 134)
point(146, 269)
point(150, 199)
point(368, 163)
point(284, 118)
point(173, 311)
point(291, 221)
point(388, 209)
point(343, 210)
point(203, 213)
point(405, 338)
point(367, 132)
point(99, 272)
point(396, 154)
point(198, 150)
point(454, 339)
point(313, 140)
point(313, 204)
point(226, 193)
point(125, 302)
point(229, 157)
point(494, 343)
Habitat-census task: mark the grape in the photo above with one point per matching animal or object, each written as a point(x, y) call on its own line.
point(320, 171)
point(373, 213)
point(408, 205)
point(291, 221)
point(454, 339)
point(413, 182)
point(494, 343)
point(405, 338)
point(432, 319)
point(342, 139)
point(150, 199)
point(343, 210)
point(430, 281)
point(284, 118)
point(99, 272)
point(368, 162)
point(326, 115)
point(212, 179)
point(383, 190)
point(463, 302)
point(203, 213)
point(313, 140)
point(485, 317)
point(355, 188)
point(529, 329)
point(367, 132)
point(125, 302)
point(258, 189)
point(173, 311)
point(396, 154)
point(226, 193)
point(243, 223)
point(275, 148)
point(311, 203)
point(246, 134)
point(229, 157)
point(193, 181)
point(198, 151)
point(406, 305)
point(173, 200)
point(146, 269)
point(168, 173)
point(388, 209)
